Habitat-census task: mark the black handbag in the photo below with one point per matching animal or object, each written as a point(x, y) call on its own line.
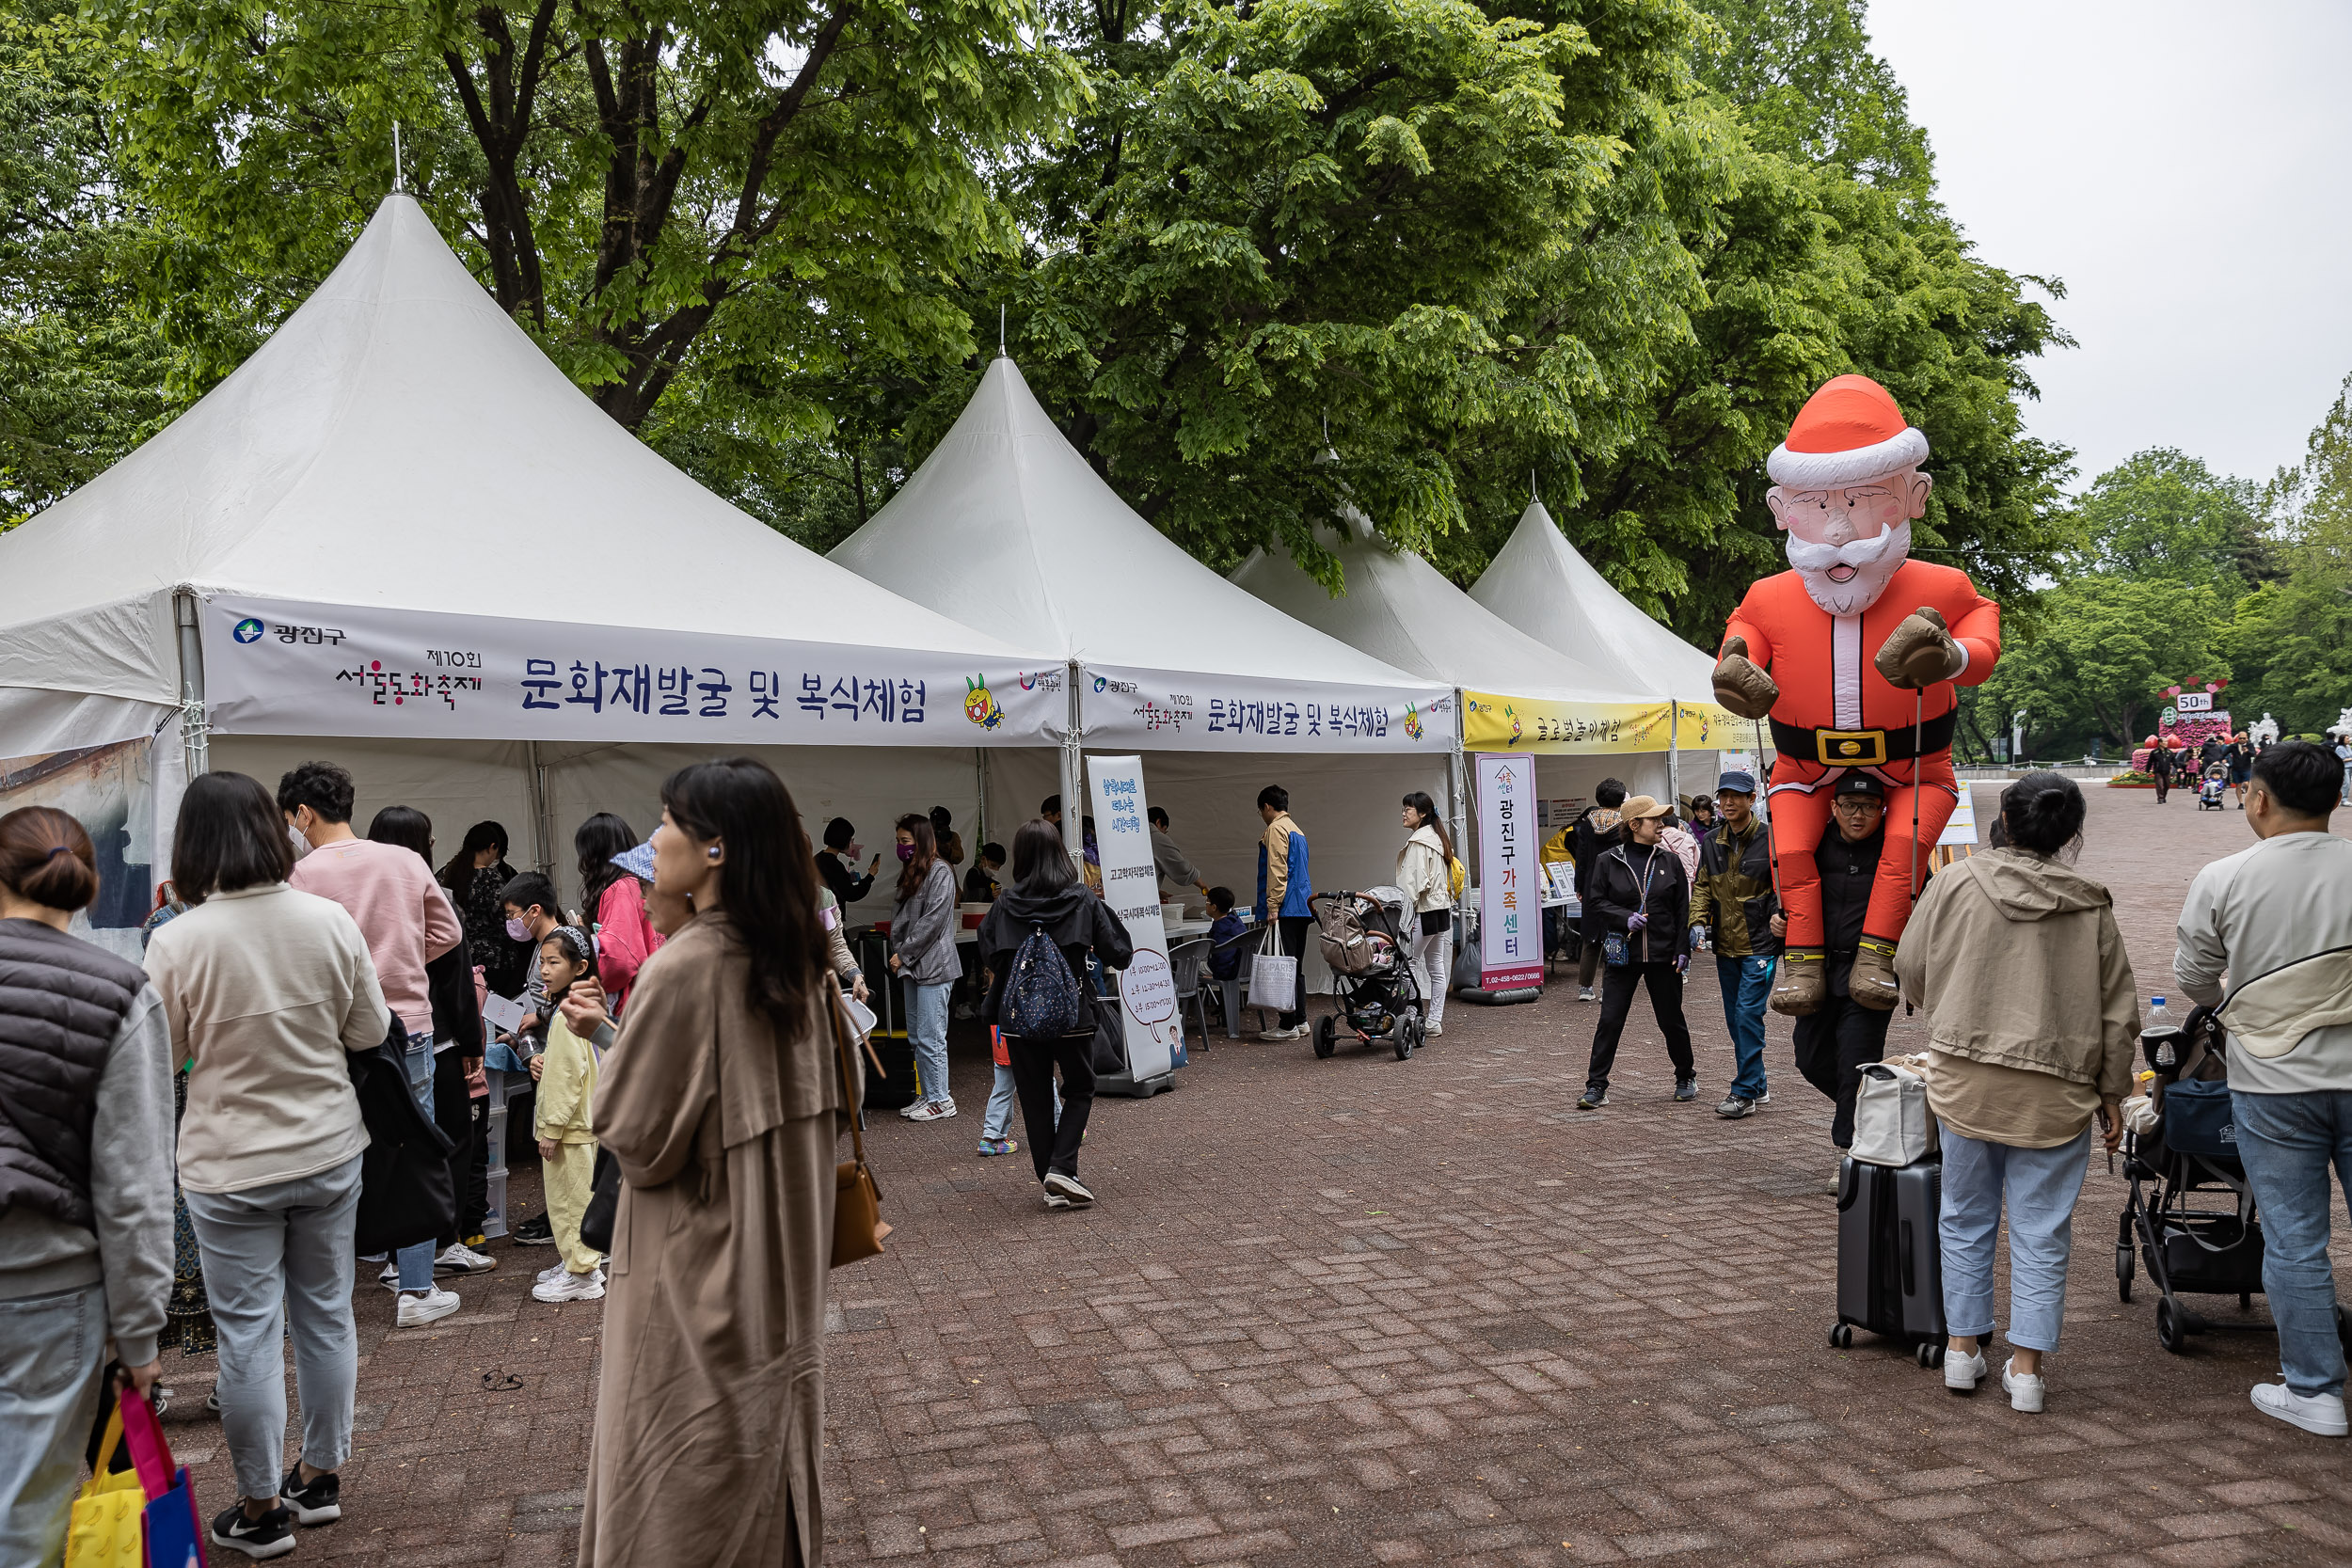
point(604, 1203)
point(1110, 1037)
point(406, 1194)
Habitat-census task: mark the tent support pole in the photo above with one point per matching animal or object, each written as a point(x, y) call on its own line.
point(1674, 754)
point(980, 814)
point(1074, 775)
point(1458, 789)
point(195, 729)
point(541, 812)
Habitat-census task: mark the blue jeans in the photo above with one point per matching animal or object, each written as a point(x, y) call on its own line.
point(1745, 983)
point(927, 1031)
point(2287, 1142)
point(416, 1263)
point(50, 1348)
point(2039, 1187)
point(1001, 1099)
point(278, 1266)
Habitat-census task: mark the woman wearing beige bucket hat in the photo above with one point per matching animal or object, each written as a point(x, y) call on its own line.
point(1641, 897)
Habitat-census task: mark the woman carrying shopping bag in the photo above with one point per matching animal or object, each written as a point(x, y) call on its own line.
point(1424, 869)
point(2032, 1018)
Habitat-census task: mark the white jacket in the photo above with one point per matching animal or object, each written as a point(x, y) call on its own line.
point(1422, 873)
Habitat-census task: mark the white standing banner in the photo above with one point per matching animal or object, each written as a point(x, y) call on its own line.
point(274, 668)
point(1510, 884)
point(1173, 712)
point(1131, 886)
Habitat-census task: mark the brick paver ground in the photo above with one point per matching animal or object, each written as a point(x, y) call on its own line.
point(1364, 1311)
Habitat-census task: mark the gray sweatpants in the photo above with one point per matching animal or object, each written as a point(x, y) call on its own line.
point(286, 1246)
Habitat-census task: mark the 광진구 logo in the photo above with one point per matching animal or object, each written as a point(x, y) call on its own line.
point(248, 631)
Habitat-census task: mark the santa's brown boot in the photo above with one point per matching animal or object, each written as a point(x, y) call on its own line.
point(1799, 986)
point(1873, 984)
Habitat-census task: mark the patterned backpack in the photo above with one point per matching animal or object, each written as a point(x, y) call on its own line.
point(1041, 998)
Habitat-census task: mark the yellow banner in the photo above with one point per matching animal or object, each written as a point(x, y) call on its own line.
point(1712, 726)
point(1497, 723)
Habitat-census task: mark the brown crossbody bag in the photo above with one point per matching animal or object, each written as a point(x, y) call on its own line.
point(858, 1227)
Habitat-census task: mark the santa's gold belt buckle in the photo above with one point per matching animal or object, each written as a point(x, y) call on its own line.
point(1850, 748)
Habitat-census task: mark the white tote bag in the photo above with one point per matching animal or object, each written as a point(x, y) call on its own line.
point(1892, 1124)
point(1273, 974)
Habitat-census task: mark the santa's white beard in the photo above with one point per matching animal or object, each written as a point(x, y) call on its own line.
point(1867, 566)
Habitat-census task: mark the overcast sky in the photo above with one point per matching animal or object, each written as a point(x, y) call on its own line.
point(2185, 169)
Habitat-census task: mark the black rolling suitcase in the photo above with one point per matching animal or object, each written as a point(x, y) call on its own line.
point(1890, 1260)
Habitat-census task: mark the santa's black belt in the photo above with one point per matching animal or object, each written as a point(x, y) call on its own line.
point(1863, 747)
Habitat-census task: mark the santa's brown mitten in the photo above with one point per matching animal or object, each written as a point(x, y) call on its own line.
point(1921, 652)
point(1741, 684)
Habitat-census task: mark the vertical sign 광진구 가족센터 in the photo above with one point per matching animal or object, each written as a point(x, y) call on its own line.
point(1510, 884)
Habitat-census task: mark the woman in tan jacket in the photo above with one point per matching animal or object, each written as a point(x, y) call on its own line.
point(719, 1099)
point(2031, 1020)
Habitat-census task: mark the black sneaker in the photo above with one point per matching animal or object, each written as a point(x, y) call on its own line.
point(1687, 1089)
point(1593, 1100)
point(319, 1503)
point(271, 1535)
point(539, 1231)
point(1734, 1107)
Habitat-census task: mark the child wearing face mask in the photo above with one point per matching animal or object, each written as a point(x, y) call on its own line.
point(566, 1070)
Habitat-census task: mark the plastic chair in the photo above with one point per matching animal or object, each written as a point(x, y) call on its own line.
point(1185, 963)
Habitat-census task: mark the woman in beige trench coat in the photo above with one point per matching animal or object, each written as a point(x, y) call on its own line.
point(720, 1099)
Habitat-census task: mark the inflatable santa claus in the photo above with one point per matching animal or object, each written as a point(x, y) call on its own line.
point(1853, 655)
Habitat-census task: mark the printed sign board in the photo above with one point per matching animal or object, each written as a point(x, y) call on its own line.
point(1131, 886)
point(1510, 878)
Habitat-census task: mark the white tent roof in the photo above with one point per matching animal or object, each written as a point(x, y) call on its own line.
point(1400, 609)
point(398, 443)
point(1540, 584)
point(1007, 528)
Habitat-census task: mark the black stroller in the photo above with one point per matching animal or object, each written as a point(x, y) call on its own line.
point(1372, 976)
point(2191, 1216)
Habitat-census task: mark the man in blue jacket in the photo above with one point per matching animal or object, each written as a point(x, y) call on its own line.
point(1283, 889)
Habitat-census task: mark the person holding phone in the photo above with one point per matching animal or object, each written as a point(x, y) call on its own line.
point(835, 864)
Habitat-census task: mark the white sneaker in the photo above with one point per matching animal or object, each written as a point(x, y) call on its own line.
point(1294, 1031)
point(933, 1110)
point(556, 1270)
point(1765, 1098)
point(2025, 1389)
point(457, 1258)
point(420, 1307)
point(390, 1278)
point(1434, 1030)
point(1961, 1372)
point(1585, 994)
point(1067, 1189)
point(571, 1286)
point(2321, 1415)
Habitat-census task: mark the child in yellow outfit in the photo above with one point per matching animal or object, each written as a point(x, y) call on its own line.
point(568, 1084)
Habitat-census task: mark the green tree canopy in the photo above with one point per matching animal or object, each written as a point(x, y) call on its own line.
point(2164, 514)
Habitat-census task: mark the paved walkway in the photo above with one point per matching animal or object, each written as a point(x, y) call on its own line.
point(1363, 1311)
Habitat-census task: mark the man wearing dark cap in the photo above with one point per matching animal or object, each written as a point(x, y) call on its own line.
point(1734, 901)
point(1837, 1042)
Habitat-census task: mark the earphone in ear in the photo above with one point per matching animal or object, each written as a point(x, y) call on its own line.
point(712, 851)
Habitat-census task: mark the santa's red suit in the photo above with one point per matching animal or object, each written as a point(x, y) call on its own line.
point(1836, 711)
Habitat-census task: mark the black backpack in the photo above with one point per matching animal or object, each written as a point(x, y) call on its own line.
point(1042, 996)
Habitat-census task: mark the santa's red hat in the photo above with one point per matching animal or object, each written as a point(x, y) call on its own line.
point(1848, 432)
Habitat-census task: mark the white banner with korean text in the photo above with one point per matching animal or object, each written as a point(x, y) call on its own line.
point(274, 668)
point(1510, 890)
point(1172, 711)
point(1131, 886)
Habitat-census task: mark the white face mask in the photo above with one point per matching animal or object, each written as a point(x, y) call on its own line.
point(301, 844)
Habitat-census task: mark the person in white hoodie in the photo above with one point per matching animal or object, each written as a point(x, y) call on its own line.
point(1424, 869)
point(2276, 918)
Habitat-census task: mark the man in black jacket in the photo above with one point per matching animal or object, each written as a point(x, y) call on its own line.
point(1735, 901)
point(1640, 893)
point(2161, 767)
point(1837, 1042)
point(1597, 830)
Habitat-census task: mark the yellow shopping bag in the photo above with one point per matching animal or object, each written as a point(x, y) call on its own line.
point(104, 1530)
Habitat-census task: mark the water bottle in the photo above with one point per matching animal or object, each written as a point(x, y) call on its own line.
point(2161, 1025)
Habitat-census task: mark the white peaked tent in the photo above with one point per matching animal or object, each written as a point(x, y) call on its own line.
point(1008, 529)
point(1540, 585)
point(398, 537)
point(1400, 608)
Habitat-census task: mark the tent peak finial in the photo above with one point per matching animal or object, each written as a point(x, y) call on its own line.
point(400, 183)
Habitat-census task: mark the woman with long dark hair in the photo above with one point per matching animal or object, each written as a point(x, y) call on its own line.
point(1424, 869)
point(923, 956)
point(612, 901)
point(1047, 895)
point(2033, 1017)
point(456, 1053)
point(85, 1242)
point(266, 989)
point(473, 878)
point(718, 1098)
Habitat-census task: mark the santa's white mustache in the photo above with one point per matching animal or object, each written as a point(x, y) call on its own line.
point(1858, 554)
